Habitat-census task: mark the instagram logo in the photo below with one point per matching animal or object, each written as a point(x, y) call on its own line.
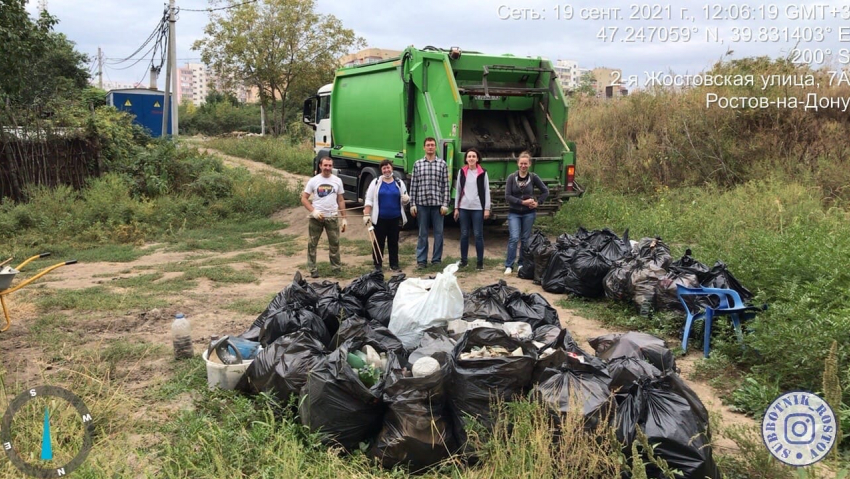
point(800, 428)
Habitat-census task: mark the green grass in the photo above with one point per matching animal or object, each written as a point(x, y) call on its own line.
point(290, 246)
point(230, 236)
point(219, 274)
point(97, 298)
point(249, 306)
point(277, 152)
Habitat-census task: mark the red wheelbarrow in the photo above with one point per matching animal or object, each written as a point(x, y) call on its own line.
point(7, 275)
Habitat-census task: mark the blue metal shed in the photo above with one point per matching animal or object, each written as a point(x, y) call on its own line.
point(146, 105)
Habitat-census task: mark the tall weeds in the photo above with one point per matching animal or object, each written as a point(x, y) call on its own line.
point(668, 137)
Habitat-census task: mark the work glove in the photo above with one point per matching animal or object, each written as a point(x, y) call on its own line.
point(316, 214)
point(413, 211)
point(444, 210)
point(343, 225)
point(366, 220)
point(405, 199)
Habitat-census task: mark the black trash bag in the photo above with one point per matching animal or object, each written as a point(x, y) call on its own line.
point(563, 388)
point(617, 283)
point(588, 271)
point(435, 340)
point(609, 245)
point(720, 277)
point(477, 382)
point(417, 431)
point(357, 327)
point(276, 304)
point(625, 371)
point(282, 367)
point(488, 308)
point(299, 294)
point(379, 307)
point(655, 251)
point(634, 345)
point(500, 291)
point(325, 288)
point(488, 303)
point(526, 259)
point(666, 296)
point(532, 309)
point(395, 281)
point(568, 241)
point(672, 424)
point(559, 272)
point(687, 264)
point(335, 403)
point(547, 334)
point(289, 320)
point(645, 275)
point(565, 351)
point(335, 308)
point(367, 285)
point(542, 255)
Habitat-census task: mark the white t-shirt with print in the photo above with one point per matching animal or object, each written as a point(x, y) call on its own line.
point(325, 191)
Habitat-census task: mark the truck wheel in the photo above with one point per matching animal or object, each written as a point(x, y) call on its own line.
point(365, 181)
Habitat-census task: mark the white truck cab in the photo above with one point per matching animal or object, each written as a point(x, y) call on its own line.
point(317, 114)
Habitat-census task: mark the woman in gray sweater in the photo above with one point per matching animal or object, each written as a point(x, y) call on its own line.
point(519, 193)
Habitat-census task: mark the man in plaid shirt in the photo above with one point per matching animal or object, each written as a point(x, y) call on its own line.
point(429, 199)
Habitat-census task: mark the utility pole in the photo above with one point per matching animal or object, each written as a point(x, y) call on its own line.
point(99, 68)
point(175, 73)
point(167, 102)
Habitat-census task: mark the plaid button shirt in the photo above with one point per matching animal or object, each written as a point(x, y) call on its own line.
point(430, 183)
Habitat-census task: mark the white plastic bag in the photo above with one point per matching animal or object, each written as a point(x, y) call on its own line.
point(423, 303)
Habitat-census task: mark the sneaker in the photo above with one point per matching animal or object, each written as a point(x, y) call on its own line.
point(464, 264)
point(480, 266)
point(314, 274)
point(421, 265)
point(395, 269)
point(508, 271)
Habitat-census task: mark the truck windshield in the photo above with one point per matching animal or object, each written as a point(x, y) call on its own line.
point(324, 108)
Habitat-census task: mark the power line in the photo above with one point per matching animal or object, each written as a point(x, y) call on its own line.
point(219, 8)
point(157, 29)
point(182, 59)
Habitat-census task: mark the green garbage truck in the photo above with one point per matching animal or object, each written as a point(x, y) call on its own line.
point(499, 104)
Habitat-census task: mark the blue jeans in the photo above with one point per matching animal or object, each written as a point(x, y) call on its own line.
point(519, 228)
point(429, 217)
point(475, 219)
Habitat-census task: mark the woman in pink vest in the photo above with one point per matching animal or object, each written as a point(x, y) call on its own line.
point(472, 205)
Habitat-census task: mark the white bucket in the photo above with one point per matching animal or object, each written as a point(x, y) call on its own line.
point(225, 376)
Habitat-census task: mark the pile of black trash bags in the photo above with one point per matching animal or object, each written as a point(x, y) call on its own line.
point(308, 330)
point(599, 263)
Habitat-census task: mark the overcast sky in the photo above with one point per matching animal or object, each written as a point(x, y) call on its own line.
point(529, 28)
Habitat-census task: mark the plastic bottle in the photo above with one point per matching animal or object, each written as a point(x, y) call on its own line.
point(181, 336)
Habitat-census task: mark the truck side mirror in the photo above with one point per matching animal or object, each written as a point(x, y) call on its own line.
point(310, 112)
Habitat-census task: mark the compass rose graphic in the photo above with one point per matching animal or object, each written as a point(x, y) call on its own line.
point(46, 432)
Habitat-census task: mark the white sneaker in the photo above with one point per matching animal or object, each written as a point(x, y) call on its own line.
point(508, 271)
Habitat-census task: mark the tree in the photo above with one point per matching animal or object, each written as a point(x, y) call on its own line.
point(37, 65)
point(587, 84)
point(279, 46)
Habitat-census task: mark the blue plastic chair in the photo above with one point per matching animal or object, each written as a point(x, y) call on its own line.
point(729, 304)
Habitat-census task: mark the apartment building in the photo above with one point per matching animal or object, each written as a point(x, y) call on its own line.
point(368, 55)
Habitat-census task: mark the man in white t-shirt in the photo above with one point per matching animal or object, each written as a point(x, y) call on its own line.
point(327, 212)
